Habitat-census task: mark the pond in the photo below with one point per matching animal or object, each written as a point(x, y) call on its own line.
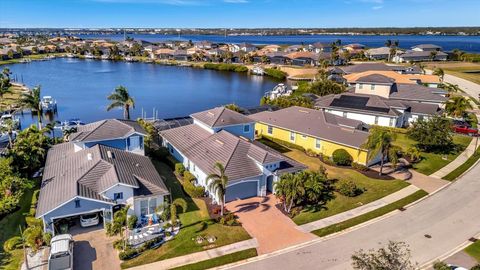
point(81, 87)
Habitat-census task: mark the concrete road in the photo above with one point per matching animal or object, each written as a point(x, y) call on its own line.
point(432, 228)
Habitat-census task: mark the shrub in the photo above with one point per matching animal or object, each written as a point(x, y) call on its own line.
point(179, 169)
point(310, 153)
point(359, 167)
point(188, 177)
point(31, 222)
point(192, 190)
point(276, 73)
point(151, 243)
point(128, 254)
point(226, 67)
point(12, 243)
point(118, 244)
point(47, 238)
point(349, 189)
point(342, 157)
point(132, 222)
point(229, 219)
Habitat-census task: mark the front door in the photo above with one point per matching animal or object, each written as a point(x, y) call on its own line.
point(270, 183)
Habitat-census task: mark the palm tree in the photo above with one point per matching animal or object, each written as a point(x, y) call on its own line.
point(392, 53)
point(388, 43)
point(380, 141)
point(451, 87)
point(5, 82)
point(121, 99)
point(178, 202)
point(457, 106)
point(33, 102)
point(289, 189)
point(439, 72)
point(217, 183)
point(433, 54)
point(8, 127)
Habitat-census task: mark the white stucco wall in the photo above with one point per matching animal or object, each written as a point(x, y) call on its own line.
point(127, 193)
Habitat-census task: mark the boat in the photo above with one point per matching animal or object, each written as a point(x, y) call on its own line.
point(25, 60)
point(50, 56)
point(69, 124)
point(258, 71)
point(70, 55)
point(89, 56)
point(5, 117)
point(129, 59)
point(279, 90)
point(49, 104)
point(105, 57)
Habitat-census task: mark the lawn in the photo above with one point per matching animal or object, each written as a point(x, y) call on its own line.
point(375, 189)
point(31, 57)
point(464, 167)
point(222, 260)
point(464, 70)
point(474, 250)
point(194, 222)
point(432, 162)
point(370, 215)
point(10, 227)
point(11, 98)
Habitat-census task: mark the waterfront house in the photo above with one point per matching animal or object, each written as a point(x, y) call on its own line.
point(222, 135)
point(354, 48)
point(181, 55)
point(100, 179)
point(164, 53)
point(205, 45)
point(122, 134)
point(382, 53)
point(247, 47)
point(422, 52)
point(303, 58)
point(278, 58)
point(421, 79)
point(271, 48)
point(319, 47)
point(426, 48)
point(294, 48)
point(357, 68)
point(314, 130)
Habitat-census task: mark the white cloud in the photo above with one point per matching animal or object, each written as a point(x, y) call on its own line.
point(377, 7)
point(236, 1)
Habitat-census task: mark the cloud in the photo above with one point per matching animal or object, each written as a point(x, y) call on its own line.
point(236, 1)
point(377, 7)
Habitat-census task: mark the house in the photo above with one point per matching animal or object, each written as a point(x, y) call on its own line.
point(319, 47)
point(163, 53)
point(181, 55)
point(125, 135)
point(422, 79)
point(382, 53)
point(380, 85)
point(271, 48)
point(205, 45)
point(302, 58)
point(419, 56)
point(357, 68)
point(376, 110)
point(99, 179)
point(294, 48)
point(354, 48)
point(278, 58)
point(247, 47)
point(426, 48)
point(252, 168)
point(315, 130)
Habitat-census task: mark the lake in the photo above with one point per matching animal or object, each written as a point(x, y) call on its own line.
point(464, 43)
point(81, 87)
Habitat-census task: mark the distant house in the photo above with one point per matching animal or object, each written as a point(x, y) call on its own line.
point(382, 53)
point(222, 135)
point(419, 56)
point(163, 53)
point(181, 55)
point(319, 47)
point(303, 58)
point(426, 48)
point(354, 48)
point(247, 47)
point(357, 68)
point(205, 45)
point(271, 48)
point(315, 130)
point(278, 58)
point(294, 48)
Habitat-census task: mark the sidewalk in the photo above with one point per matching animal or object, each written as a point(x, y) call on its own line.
point(199, 256)
point(322, 223)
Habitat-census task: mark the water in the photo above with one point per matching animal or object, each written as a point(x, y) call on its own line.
point(464, 43)
point(81, 88)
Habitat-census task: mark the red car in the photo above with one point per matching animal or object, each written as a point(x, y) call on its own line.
point(463, 129)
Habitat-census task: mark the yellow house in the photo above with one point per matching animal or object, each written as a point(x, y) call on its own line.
point(315, 130)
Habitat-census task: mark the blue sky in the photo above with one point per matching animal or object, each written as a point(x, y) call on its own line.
point(238, 13)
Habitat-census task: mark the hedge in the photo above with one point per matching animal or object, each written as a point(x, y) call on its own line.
point(192, 190)
point(283, 143)
point(342, 157)
point(276, 73)
point(226, 67)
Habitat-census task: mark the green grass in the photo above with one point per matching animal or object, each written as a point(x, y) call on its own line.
point(432, 162)
point(10, 227)
point(464, 167)
point(12, 98)
point(474, 250)
point(218, 261)
point(191, 221)
point(370, 215)
point(31, 57)
point(375, 189)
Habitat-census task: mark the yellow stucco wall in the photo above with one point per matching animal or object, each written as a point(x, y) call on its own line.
point(309, 142)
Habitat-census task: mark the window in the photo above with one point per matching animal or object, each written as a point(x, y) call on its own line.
point(292, 136)
point(360, 86)
point(152, 204)
point(376, 120)
point(317, 143)
point(372, 87)
point(391, 122)
point(144, 207)
point(77, 203)
point(246, 128)
point(135, 143)
point(118, 196)
point(270, 130)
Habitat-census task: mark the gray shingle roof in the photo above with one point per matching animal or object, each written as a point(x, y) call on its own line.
point(315, 123)
point(239, 156)
point(221, 116)
point(376, 78)
point(89, 172)
point(416, 92)
point(106, 129)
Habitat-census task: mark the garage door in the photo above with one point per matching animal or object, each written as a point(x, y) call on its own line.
point(241, 191)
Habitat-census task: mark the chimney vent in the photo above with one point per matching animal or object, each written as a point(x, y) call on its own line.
point(89, 156)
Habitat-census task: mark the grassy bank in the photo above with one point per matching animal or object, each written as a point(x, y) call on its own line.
point(195, 221)
point(32, 57)
point(464, 167)
point(226, 67)
point(465, 70)
point(218, 261)
point(370, 215)
point(275, 73)
point(11, 99)
point(474, 250)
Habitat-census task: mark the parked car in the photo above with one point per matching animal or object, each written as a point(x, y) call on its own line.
point(454, 267)
point(463, 129)
point(89, 220)
point(457, 122)
point(61, 252)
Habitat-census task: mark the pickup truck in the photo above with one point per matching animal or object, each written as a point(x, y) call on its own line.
point(464, 129)
point(61, 253)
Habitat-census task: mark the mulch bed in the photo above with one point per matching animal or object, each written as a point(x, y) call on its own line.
point(368, 173)
point(213, 209)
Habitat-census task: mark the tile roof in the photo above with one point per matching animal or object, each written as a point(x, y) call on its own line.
point(413, 54)
point(376, 66)
point(220, 117)
point(89, 172)
point(397, 77)
point(105, 130)
point(316, 123)
point(375, 78)
point(415, 92)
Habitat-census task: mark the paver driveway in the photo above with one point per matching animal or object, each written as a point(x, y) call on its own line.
point(263, 221)
point(94, 250)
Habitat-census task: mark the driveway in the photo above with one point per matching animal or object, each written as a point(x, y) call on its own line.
point(93, 249)
point(263, 221)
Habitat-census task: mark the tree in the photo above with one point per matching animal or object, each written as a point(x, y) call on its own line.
point(29, 150)
point(121, 99)
point(217, 184)
point(8, 126)
point(433, 54)
point(391, 53)
point(414, 153)
point(457, 106)
point(323, 87)
point(432, 134)
point(5, 83)
point(178, 202)
point(439, 72)
point(441, 266)
point(347, 56)
point(451, 87)
point(33, 237)
point(33, 101)
point(380, 141)
point(289, 189)
point(232, 106)
point(396, 256)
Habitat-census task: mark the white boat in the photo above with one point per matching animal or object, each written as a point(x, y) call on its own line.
point(69, 124)
point(89, 56)
point(48, 103)
point(4, 118)
point(105, 57)
point(50, 57)
point(129, 59)
point(70, 55)
point(258, 71)
point(25, 60)
point(279, 90)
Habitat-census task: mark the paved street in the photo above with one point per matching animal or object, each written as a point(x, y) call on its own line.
point(432, 228)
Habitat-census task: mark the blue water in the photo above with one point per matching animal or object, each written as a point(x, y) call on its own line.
point(81, 87)
point(465, 43)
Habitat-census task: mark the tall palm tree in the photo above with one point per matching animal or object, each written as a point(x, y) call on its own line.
point(439, 72)
point(388, 43)
point(217, 183)
point(380, 141)
point(289, 190)
point(33, 101)
point(457, 106)
point(121, 99)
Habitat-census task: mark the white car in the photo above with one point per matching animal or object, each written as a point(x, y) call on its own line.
point(89, 220)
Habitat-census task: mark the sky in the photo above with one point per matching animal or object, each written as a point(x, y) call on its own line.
point(237, 13)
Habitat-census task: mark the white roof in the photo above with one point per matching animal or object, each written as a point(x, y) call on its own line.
point(60, 243)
